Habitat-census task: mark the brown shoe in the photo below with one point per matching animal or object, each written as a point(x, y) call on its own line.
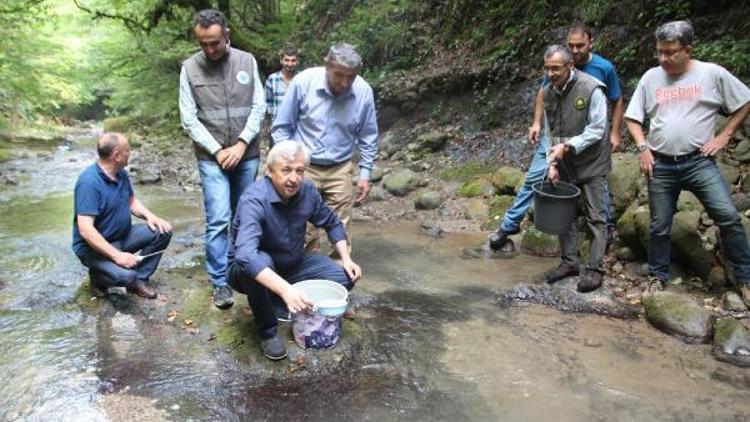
point(563, 270)
point(140, 289)
point(745, 293)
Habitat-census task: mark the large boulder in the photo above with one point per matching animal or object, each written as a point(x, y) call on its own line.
point(729, 172)
point(623, 181)
point(679, 316)
point(688, 202)
point(477, 187)
point(428, 200)
point(390, 143)
point(741, 201)
point(507, 180)
point(741, 151)
point(535, 242)
point(401, 182)
point(632, 227)
point(732, 342)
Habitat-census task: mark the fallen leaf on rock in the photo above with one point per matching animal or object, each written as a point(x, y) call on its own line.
point(188, 322)
point(191, 330)
point(171, 315)
point(212, 337)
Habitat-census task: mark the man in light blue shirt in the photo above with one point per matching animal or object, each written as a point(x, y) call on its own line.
point(330, 109)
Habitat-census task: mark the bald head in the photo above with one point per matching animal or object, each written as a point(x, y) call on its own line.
point(108, 143)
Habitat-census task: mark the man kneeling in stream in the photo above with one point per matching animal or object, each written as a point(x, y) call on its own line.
point(266, 252)
point(575, 114)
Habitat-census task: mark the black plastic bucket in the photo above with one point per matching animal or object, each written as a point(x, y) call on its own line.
point(554, 206)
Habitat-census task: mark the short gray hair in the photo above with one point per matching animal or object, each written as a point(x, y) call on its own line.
point(344, 54)
point(673, 31)
point(288, 150)
point(557, 48)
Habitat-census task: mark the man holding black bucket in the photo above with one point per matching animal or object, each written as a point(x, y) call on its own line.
point(575, 115)
point(267, 255)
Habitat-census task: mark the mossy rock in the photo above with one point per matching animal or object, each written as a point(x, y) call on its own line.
point(687, 246)
point(498, 205)
point(5, 155)
point(732, 342)
point(120, 124)
point(688, 202)
point(623, 181)
point(536, 243)
point(632, 227)
point(507, 180)
point(401, 182)
point(477, 187)
point(679, 316)
point(428, 200)
point(433, 140)
point(376, 175)
point(467, 172)
point(729, 172)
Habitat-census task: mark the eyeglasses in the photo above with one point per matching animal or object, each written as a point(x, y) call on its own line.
point(667, 53)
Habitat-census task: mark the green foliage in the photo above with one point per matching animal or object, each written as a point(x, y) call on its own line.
point(730, 52)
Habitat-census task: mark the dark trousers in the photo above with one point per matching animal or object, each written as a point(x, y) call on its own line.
point(261, 299)
point(106, 273)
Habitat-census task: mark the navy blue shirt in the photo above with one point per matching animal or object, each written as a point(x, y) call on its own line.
point(264, 222)
point(603, 70)
point(107, 200)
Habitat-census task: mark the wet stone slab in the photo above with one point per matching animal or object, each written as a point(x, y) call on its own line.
point(564, 297)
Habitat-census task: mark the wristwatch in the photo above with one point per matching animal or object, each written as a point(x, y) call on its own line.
point(642, 147)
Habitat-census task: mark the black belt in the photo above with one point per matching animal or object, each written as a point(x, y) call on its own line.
point(682, 157)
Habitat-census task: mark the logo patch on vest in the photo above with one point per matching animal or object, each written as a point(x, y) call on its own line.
point(580, 103)
point(244, 78)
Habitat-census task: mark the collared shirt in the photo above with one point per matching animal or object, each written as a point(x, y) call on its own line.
point(107, 200)
point(264, 222)
point(597, 117)
point(276, 87)
point(329, 126)
point(199, 133)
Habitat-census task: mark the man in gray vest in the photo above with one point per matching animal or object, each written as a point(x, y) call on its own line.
point(221, 107)
point(575, 111)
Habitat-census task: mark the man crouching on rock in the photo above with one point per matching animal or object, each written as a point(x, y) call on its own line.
point(267, 243)
point(575, 111)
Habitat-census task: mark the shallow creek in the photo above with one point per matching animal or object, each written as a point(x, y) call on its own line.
point(435, 345)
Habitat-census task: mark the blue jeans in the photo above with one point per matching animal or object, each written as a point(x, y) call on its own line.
point(701, 176)
point(221, 192)
point(525, 196)
point(261, 299)
point(140, 238)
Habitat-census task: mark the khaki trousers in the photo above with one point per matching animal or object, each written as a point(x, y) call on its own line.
point(335, 186)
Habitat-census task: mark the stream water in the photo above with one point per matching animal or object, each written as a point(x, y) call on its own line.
point(438, 346)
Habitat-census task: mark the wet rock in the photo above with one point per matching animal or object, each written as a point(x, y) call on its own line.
point(678, 315)
point(507, 180)
point(688, 202)
point(432, 141)
point(687, 245)
point(377, 194)
point(432, 229)
point(475, 209)
point(376, 175)
point(536, 243)
point(428, 200)
point(732, 342)
point(401, 182)
point(9, 180)
point(477, 187)
point(625, 253)
point(623, 181)
point(741, 201)
point(732, 302)
point(717, 277)
point(564, 296)
point(741, 151)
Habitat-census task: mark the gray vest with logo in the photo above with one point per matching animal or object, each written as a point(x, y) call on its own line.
point(568, 115)
point(223, 92)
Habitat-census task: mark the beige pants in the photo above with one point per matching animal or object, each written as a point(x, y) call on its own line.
point(335, 186)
